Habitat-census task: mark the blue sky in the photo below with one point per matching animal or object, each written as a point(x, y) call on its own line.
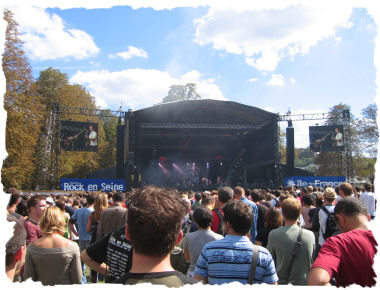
point(307, 58)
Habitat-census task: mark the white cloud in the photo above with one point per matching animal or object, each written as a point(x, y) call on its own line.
point(265, 34)
point(252, 80)
point(139, 88)
point(293, 80)
point(276, 80)
point(47, 36)
point(131, 52)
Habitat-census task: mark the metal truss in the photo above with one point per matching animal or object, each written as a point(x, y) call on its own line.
point(303, 117)
point(199, 126)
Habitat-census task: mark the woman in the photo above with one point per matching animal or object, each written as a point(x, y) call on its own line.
point(101, 203)
point(273, 219)
point(308, 204)
point(53, 259)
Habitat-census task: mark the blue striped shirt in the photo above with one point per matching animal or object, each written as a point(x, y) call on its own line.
point(229, 260)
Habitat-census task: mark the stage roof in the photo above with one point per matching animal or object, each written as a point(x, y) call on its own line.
point(204, 111)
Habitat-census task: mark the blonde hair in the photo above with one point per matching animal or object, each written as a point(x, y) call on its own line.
point(52, 220)
point(101, 203)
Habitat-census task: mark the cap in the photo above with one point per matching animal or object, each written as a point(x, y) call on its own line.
point(329, 193)
point(50, 200)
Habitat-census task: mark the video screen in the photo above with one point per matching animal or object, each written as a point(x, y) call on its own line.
point(326, 138)
point(79, 136)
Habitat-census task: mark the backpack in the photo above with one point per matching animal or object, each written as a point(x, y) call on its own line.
point(314, 219)
point(277, 202)
point(221, 230)
point(331, 228)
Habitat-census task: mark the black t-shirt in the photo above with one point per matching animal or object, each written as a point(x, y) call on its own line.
point(114, 250)
point(169, 278)
point(263, 235)
point(261, 210)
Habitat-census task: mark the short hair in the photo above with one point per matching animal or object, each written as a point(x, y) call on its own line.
point(367, 186)
point(238, 190)
point(118, 197)
point(256, 195)
point(273, 217)
point(52, 220)
point(291, 209)
point(277, 193)
point(350, 206)
point(346, 188)
point(239, 215)
point(202, 216)
point(309, 189)
point(13, 199)
point(154, 219)
point(32, 202)
point(308, 199)
point(198, 196)
point(17, 240)
point(225, 194)
point(90, 199)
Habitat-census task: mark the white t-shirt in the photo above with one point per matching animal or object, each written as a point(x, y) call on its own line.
point(93, 140)
point(368, 198)
point(339, 139)
point(322, 222)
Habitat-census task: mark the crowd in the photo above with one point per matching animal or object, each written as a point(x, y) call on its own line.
point(291, 235)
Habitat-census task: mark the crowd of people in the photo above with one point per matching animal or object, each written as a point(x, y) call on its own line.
point(291, 235)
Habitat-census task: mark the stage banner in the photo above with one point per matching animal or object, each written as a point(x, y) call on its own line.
point(326, 138)
point(78, 184)
point(315, 181)
point(78, 136)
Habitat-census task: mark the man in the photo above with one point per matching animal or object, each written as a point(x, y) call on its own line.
point(347, 257)
point(229, 259)
point(239, 194)
point(328, 206)
point(92, 136)
point(36, 205)
point(80, 217)
point(112, 218)
point(369, 199)
point(155, 217)
point(110, 256)
point(338, 139)
point(15, 249)
point(193, 242)
point(225, 194)
point(281, 243)
point(345, 190)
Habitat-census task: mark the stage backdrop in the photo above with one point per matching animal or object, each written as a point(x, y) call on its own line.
point(79, 136)
point(326, 138)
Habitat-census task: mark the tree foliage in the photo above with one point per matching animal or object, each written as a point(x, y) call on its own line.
point(23, 107)
point(182, 92)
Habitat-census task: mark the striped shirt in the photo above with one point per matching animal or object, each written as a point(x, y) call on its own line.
point(229, 260)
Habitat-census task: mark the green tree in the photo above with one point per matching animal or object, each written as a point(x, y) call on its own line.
point(182, 92)
point(23, 106)
point(368, 131)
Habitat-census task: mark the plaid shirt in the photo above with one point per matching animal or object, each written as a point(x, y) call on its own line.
point(33, 231)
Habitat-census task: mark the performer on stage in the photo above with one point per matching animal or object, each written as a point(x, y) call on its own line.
point(338, 139)
point(92, 137)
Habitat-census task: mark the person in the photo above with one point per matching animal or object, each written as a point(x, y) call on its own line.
point(14, 200)
point(110, 256)
point(193, 242)
point(15, 249)
point(101, 203)
point(273, 219)
point(328, 198)
point(35, 205)
point(349, 256)
point(225, 194)
point(112, 218)
point(345, 190)
point(257, 197)
point(338, 139)
point(154, 221)
point(308, 203)
point(281, 244)
point(239, 194)
point(93, 138)
point(80, 217)
point(53, 259)
point(229, 259)
point(369, 199)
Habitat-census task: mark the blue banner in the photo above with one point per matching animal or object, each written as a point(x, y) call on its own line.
point(78, 184)
point(315, 181)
